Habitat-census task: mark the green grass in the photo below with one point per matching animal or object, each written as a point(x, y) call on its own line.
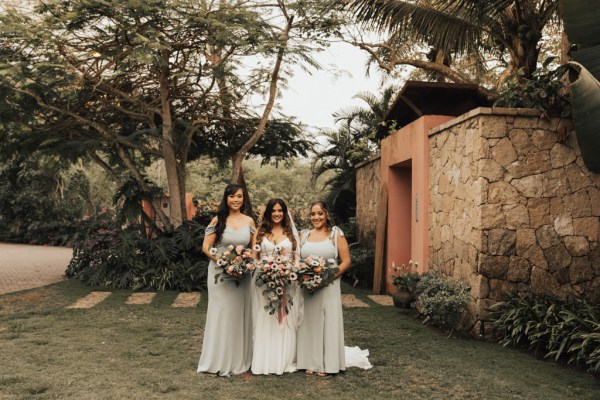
point(115, 351)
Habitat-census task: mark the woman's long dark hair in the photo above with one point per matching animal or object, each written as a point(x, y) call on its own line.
point(328, 218)
point(266, 225)
point(223, 210)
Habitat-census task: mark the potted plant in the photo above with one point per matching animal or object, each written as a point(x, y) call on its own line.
point(406, 282)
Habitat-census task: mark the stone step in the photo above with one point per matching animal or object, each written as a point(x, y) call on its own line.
point(90, 300)
point(351, 301)
point(190, 299)
point(141, 298)
point(383, 299)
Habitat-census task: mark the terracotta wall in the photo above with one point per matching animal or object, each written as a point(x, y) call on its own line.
point(513, 207)
point(368, 191)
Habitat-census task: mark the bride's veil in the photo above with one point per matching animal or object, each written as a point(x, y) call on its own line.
point(296, 314)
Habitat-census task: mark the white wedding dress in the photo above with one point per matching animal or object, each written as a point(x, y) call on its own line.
point(274, 349)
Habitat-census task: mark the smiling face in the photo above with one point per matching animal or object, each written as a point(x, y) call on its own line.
point(277, 214)
point(318, 217)
point(235, 201)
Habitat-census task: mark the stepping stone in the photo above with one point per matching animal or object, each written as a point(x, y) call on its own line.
point(383, 299)
point(141, 298)
point(350, 301)
point(190, 299)
point(90, 300)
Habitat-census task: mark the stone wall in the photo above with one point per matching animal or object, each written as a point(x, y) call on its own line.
point(513, 207)
point(368, 191)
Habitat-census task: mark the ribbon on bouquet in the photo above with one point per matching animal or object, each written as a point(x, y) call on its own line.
point(281, 311)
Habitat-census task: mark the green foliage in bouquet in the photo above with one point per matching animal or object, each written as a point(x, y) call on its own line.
point(567, 330)
point(441, 300)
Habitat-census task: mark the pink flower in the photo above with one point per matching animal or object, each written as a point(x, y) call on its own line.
point(239, 249)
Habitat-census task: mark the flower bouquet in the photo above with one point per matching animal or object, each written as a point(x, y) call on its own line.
point(315, 272)
point(235, 262)
point(275, 273)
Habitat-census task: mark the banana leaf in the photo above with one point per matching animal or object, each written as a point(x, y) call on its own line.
point(581, 18)
point(585, 102)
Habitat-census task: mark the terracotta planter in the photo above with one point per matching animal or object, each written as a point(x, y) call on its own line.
point(403, 298)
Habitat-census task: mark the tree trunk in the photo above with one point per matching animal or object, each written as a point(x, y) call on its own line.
point(175, 184)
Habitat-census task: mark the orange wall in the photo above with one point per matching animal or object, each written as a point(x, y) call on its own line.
point(405, 170)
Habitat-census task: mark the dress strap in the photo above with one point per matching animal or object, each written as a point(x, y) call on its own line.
point(210, 229)
point(304, 236)
point(252, 229)
point(335, 232)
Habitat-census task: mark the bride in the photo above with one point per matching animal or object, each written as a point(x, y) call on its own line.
point(275, 335)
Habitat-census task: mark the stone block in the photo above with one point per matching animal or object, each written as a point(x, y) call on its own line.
point(588, 226)
point(595, 258)
point(516, 215)
point(562, 276)
point(557, 257)
point(502, 242)
point(499, 288)
point(547, 236)
point(529, 186)
point(578, 204)
point(577, 245)
point(504, 152)
point(535, 256)
point(543, 140)
point(502, 192)
point(580, 270)
point(543, 282)
point(576, 177)
point(491, 216)
point(538, 209)
point(554, 183)
point(594, 194)
point(519, 269)
point(525, 239)
point(556, 206)
point(521, 141)
point(493, 127)
point(493, 266)
point(489, 169)
point(563, 225)
point(561, 155)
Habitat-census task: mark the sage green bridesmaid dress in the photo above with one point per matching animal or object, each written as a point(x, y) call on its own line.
point(320, 338)
point(227, 345)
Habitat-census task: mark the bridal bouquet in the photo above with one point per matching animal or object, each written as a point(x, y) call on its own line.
point(235, 262)
point(315, 272)
point(275, 273)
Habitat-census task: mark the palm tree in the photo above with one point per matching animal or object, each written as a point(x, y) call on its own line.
point(356, 139)
point(512, 28)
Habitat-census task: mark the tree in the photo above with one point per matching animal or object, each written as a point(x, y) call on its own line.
point(510, 30)
point(124, 83)
point(355, 139)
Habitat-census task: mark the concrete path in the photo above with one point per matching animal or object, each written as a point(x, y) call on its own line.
point(24, 266)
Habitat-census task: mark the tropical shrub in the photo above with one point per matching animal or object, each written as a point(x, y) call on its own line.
point(561, 329)
point(360, 272)
point(441, 300)
point(105, 255)
point(406, 279)
point(544, 91)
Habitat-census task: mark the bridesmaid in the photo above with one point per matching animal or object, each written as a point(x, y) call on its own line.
point(320, 338)
point(227, 345)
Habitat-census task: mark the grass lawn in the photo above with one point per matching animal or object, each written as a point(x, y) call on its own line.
point(119, 351)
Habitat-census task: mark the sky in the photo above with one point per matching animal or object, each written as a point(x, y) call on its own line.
point(313, 98)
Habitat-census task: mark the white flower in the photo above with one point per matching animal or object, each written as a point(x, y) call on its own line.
point(256, 247)
point(213, 251)
point(278, 248)
point(220, 262)
point(279, 291)
point(314, 263)
point(331, 261)
point(293, 276)
point(317, 279)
